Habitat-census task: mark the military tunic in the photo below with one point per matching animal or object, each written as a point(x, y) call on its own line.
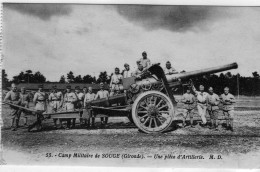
point(55, 99)
point(127, 73)
point(169, 71)
point(189, 104)
point(116, 82)
point(13, 97)
point(40, 99)
point(145, 62)
point(102, 94)
point(201, 105)
point(69, 100)
point(228, 104)
point(212, 105)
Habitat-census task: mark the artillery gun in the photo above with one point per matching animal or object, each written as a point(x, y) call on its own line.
point(149, 101)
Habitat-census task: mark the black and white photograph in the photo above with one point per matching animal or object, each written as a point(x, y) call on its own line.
point(130, 85)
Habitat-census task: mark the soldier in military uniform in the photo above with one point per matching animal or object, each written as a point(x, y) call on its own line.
point(69, 101)
point(189, 104)
point(55, 99)
point(102, 93)
point(228, 101)
point(138, 72)
point(79, 103)
point(90, 96)
point(145, 61)
point(24, 99)
point(169, 70)
point(116, 82)
point(14, 97)
point(212, 102)
point(126, 72)
point(40, 99)
point(201, 103)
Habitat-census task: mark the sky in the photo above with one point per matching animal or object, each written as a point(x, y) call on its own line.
point(87, 39)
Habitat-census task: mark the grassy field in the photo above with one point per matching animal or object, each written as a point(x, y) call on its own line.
point(238, 149)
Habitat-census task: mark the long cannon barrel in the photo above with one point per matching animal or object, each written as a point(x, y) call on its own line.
point(196, 73)
point(189, 75)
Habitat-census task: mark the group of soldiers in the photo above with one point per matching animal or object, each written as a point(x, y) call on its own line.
point(70, 100)
point(208, 102)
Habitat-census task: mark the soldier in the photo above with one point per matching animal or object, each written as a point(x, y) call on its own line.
point(201, 103)
point(85, 90)
point(189, 104)
point(13, 97)
point(212, 106)
point(90, 96)
point(100, 95)
point(169, 70)
point(69, 100)
point(145, 61)
point(79, 104)
point(24, 99)
point(40, 99)
point(228, 101)
point(55, 99)
point(138, 72)
point(126, 72)
point(116, 82)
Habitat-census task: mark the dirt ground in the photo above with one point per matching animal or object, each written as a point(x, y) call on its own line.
point(238, 149)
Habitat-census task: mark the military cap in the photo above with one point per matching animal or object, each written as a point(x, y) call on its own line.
point(144, 53)
point(68, 87)
point(126, 64)
point(40, 86)
point(168, 62)
point(116, 68)
point(77, 87)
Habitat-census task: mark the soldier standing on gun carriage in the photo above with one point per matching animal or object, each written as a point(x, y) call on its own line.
point(145, 61)
point(102, 93)
point(212, 107)
point(169, 70)
point(126, 72)
point(201, 103)
point(69, 100)
point(79, 104)
point(14, 97)
point(228, 101)
point(55, 99)
point(24, 99)
point(189, 104)
point(116, 82)
point(138, 72)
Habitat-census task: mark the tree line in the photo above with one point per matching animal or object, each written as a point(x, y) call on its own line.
point(249, 86)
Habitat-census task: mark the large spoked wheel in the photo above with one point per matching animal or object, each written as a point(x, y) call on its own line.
point(152, 112)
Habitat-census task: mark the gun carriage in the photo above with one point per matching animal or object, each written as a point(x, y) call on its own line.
point(147, 101)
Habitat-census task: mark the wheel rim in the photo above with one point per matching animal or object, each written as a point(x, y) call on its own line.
point(153, 113)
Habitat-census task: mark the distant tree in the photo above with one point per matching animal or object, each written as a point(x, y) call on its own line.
point(62, 79)
point(255, 74)
point(28, 76)
point(38, 78)
point(88, 79)
point(78, 79)
point(70, 77)
point(103, 77)
point(5, 81)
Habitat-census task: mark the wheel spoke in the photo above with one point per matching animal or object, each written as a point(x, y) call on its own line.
point(142, 112)
point(164, 111)
point(146, 120)
point(159, 103)
point(154, 102)
point(155, 122)
point(143, 107)
point(144, 116)
point(159, 120)
point(162, 107)
point(150, 124)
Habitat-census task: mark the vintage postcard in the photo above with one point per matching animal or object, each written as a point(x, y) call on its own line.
point(130, 85)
